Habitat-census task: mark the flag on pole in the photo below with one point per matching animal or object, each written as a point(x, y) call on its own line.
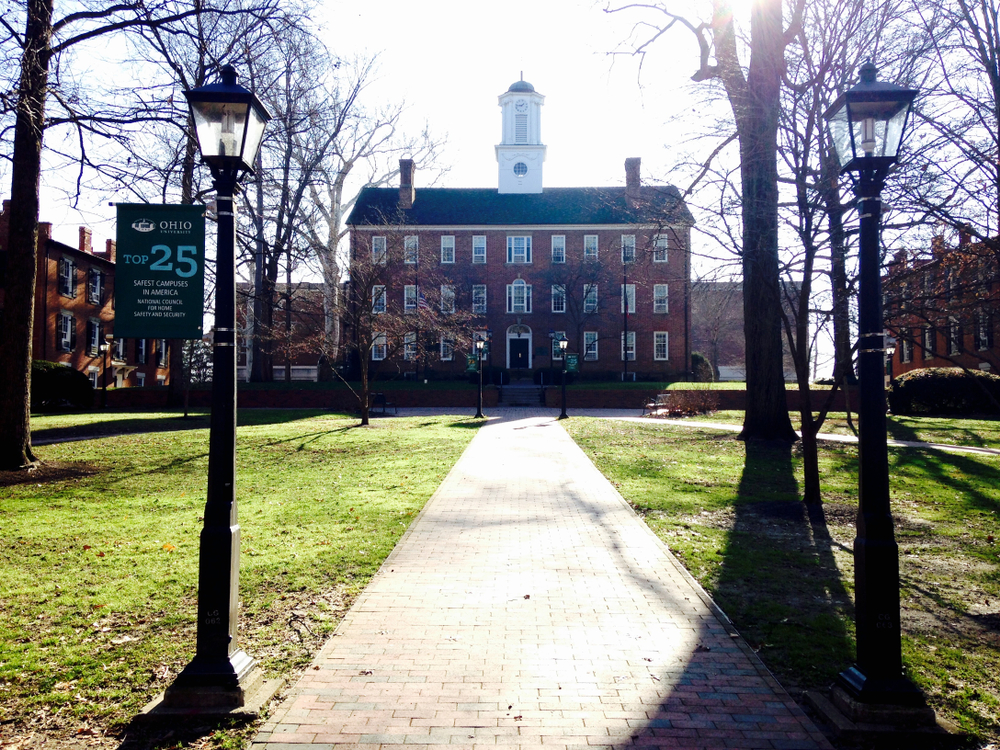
point(422, 302)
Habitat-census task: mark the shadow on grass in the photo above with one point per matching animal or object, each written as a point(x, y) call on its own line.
point(118, 427)
point(778, 580)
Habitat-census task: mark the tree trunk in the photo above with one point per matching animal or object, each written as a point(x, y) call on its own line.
point(838, 272)
point(17, 317)
point(756, 114)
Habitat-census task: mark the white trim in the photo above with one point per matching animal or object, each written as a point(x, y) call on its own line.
point(508, 337)
point(446, 246)
point(666, 345)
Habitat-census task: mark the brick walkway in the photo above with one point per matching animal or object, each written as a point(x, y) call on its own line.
point(528, 606)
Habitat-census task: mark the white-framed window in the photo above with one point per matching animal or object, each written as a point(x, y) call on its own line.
point(380, 347)
point(140, 379)
point(479, 299)
point(380, 254)
point(447, 348)
point(559, 248)
point(479, 248)
point(661, 302)
point(660, 247)
point(141, 351)
point(954, 337)
point(590, 247)
point(378, 299)
point(411, 249)
point(590, 298)
point(65, 332)
point(628, 248)
point(556, 338)
point(410, 298)
point(628, 293)
point(161, 353)
point(92, 376)
point(410, 346)
point(447, 298)
point(67, 277)
point(906, 348)
point(558, 298)
point(519, 249)
point(118, 352)
point(519, 297)
point(660, 349)
point(984, 331)
point(448, 249)
point(161, 380)
point(95, 286)
point(628, 346)
point(930, 341)
point(590, 346)
point(93, 337)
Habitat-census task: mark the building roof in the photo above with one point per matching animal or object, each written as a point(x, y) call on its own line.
point(521, 85)
point(553, 206)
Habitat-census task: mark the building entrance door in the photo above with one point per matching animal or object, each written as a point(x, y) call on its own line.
point(519, 353)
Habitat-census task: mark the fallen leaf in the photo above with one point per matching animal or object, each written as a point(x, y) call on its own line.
point(169, 547)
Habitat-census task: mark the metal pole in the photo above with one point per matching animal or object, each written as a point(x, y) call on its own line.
point(563, 414)
point(479, 395)
point(107, 357)
point(218, 663)
point(878, 675)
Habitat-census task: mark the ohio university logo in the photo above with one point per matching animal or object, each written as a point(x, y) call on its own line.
point(143, 225)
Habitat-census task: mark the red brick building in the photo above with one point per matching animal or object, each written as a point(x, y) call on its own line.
point(941, 308)
point(606, 267)
point(74, 314)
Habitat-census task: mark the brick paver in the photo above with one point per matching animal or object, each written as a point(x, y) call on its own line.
point(528, 606)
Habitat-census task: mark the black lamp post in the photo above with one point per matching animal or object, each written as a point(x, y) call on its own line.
point(106, 349)
point(229, 121)
point(480, 345)
point(563, 344)
point(866, 125)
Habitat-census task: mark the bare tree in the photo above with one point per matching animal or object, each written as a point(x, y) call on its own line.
point(753, 93)
point(43, 44)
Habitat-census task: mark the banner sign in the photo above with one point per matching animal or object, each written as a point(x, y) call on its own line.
point(470, 363)
point(572, 363)
point(160, 271)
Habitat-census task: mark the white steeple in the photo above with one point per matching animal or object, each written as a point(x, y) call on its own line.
point(520, 153)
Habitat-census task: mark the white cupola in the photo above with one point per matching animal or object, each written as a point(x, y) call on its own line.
point(520, 153)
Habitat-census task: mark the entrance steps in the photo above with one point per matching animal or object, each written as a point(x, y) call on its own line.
point(521, 394)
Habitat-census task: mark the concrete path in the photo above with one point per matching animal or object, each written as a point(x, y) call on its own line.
point(529, 606)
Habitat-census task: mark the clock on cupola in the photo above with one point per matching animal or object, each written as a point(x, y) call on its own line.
point(520, 153)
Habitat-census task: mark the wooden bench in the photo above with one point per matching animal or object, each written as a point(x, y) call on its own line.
point(653, 405)
point(378, 401)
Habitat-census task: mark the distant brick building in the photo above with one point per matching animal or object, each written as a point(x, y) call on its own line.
point(74, 313)
point(942, 308)
point(606, 267)
point(298, 331)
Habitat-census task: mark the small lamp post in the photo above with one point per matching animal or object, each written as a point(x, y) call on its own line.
point(229, 121)
point(563, 345)
point(106, 350)
point(866, 125)
point(480, 346)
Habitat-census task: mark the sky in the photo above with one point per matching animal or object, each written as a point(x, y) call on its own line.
point(450, 60)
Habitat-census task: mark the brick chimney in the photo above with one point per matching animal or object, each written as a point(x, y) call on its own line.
point(632, 180)
point(111, 250)
point(44, 232)
point(937, 245)
point(85, 246)
point(964, 235)
point(407, 193)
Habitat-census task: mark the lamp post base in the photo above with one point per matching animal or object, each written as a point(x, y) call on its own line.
point(883, 725)
point(219, 684)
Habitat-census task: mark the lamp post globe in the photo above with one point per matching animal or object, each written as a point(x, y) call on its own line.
point(866, 127)
point(229, 123)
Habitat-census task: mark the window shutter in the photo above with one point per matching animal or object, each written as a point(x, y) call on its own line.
point(71, 322)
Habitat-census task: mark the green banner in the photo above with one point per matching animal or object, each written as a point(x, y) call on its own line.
point(572, 363)
point(470, 363)
point(160, 271)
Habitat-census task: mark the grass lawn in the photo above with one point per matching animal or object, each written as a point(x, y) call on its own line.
point(784, 573)
point(978, 433)
point(100, 552)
